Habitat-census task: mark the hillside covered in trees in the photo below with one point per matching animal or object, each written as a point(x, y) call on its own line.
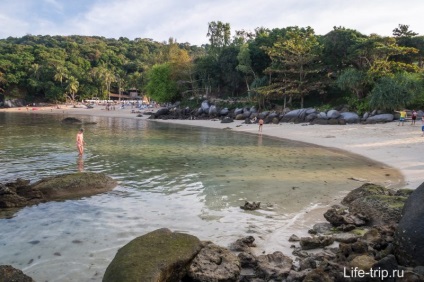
point(289, 66)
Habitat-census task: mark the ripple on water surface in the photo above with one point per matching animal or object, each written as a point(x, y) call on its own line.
point(187, 179)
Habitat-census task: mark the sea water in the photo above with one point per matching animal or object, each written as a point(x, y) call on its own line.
point(187, 179)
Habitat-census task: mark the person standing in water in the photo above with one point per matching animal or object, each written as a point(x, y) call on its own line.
point(261, 123)
point(80, 142)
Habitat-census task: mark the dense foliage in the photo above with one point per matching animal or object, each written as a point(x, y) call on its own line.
point(289, 66)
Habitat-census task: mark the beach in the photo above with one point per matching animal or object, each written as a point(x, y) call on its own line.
point(392, 145)
point(388, 144)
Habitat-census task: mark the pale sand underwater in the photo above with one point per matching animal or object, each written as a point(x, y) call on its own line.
point(395, 146)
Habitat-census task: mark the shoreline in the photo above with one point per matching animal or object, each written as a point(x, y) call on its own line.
point(389, 144)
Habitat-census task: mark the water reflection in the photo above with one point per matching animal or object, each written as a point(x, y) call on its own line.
point(80, 163)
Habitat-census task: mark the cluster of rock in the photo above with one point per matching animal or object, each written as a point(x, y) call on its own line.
point(248, 114)
point(365, 227)
point(21, 193)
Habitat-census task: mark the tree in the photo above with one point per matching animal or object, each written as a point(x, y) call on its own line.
point(160, 86)
point(338, 46)
point(396, 92)
point(60, 74)
point(108, 78)
point(403, 30)
point(295, 61)
point(72, 88)
point(353, 80)
point(245, 64)
point(219, 34)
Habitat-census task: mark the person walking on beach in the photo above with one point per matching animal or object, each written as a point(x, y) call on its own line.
point(261, 123)
point(413, 117)
point(402, 117)
point(422, 126)
point(80, 142)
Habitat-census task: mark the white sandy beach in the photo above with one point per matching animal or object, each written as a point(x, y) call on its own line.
point(396, 146)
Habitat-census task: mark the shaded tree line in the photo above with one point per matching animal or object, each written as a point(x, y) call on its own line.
point(289, 66)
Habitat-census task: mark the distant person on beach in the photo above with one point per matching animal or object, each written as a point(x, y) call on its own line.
point(80, 142)
point(261, 123)
point(413, 117)
point(402, 117)
point(422, 125)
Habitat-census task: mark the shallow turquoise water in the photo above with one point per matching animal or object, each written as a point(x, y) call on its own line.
point(187, 179)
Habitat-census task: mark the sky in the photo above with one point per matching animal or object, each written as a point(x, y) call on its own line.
point(187, 20)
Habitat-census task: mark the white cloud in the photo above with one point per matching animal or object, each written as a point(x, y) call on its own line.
point(187, 21)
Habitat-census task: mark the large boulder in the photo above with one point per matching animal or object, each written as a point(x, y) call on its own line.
point(380, 118)
point(377, 204)
point(158, 256)
point(213, 111)
point(295, 115)
point(409, 235)
point(333, 114)
point(308, 243)
point(350, 117)
point(74, 185)
point(161, 112)
point(224, 112)
point(274, 267)
point(10, 274)
point(205, 106)
point(215, 263)
point(21, 193)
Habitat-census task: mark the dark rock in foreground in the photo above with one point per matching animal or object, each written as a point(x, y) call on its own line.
point(160, 255)
point(214, 263)
point(375, 204)
point(74, 185)
point(21, 193)
point(409, 236)
point(10, 274)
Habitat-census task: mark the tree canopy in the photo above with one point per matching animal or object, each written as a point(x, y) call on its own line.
point(275, 64)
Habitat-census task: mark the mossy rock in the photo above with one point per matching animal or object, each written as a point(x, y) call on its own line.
point(74, 185)
point(365, 190)
point(158, 256)
point(377, 203)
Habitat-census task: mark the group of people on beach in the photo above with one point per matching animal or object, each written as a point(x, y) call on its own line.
point(403, 115)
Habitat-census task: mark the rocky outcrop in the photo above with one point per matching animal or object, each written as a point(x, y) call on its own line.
point(251, 206)
point(214, 263)
point(309, 243)
point(10, 274)
point(375, 204)
point(71, 120)
point(361, 249)
point(74, 185)
point(158, 256)
point(409, 236)
point(21, 193)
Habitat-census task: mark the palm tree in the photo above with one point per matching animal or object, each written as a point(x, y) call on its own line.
point(35, 71)
point(72, 88)
point(108, 79)
point(60, 74)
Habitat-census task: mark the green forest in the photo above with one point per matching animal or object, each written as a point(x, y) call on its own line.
point(288, 67)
